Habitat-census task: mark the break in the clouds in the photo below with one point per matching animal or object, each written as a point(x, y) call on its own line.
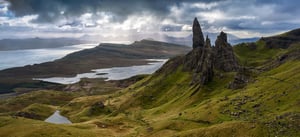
point(122, 18)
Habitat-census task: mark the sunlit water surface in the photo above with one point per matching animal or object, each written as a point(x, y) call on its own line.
point(19, 58)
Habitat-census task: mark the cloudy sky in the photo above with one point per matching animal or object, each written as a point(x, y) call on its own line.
point(117, 18)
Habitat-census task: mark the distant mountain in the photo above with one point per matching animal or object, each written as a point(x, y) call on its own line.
point(243, 40)
point(188, 40)
point(37, 43)
point(105, 55)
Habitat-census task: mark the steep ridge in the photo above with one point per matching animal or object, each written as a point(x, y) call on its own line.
point(284, 40)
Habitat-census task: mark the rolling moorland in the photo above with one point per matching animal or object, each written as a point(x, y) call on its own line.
point(250, 89)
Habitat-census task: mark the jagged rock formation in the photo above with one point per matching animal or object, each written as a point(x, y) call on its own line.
point(224, 56)
point(203, 58)
point(198, 39)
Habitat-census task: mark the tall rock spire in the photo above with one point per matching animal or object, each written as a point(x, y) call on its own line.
point(224, 57)
point(198, 39)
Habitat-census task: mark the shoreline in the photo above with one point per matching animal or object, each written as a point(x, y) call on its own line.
point(112, 73)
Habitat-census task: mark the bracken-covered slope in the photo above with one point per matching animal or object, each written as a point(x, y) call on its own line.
point(261, 98)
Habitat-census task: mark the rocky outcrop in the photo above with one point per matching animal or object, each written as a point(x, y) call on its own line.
point(29, 115)
point(224, 58)
point(240, 79)
point(98, 108)
point(98, 105)
point(198, 39)
point(204, 59)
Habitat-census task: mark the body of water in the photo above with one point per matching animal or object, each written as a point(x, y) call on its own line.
point(115, 73)
point(56, 118)
point(19, 58)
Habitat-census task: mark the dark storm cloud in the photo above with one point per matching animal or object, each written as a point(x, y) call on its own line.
point(50, 10)
point(253, 16)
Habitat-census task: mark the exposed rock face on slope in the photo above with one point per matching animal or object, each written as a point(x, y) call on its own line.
point(224, 56)
point(198, 39)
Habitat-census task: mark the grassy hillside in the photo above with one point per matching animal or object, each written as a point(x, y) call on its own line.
point(268, 106)
point(255, 54)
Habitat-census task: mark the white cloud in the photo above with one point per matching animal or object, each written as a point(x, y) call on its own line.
point(243, 18)
point(103, 18)
point(186, 28)
point(3, 10)
point(200, 5)
point(211, 16)
point(24, 21)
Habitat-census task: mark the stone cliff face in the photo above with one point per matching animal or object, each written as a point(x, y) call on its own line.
point(198, 39)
